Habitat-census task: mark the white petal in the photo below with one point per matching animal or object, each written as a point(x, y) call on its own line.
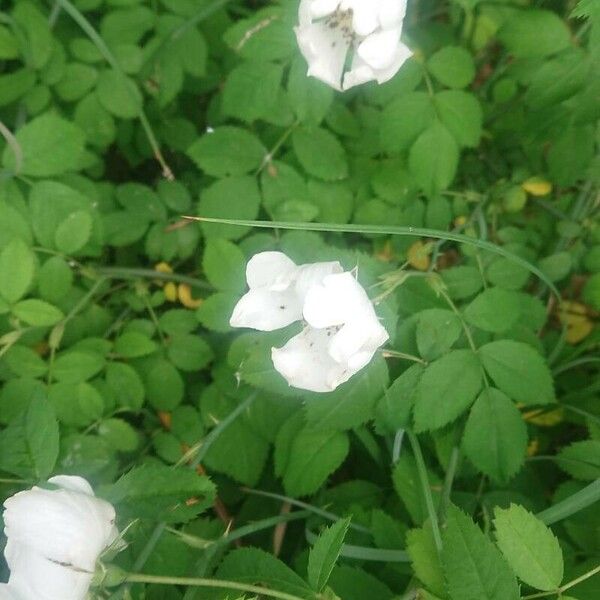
point(403, 53)
point(61, 525)
point(305, 362)
point(360, 73)
point(379, 49)
point(73, 483)
point(322, 8)
point(325, 51)
point(366, 18)
point(7, 592)
point(265, 310)
point(310, 275)
point(34, 577)
point(338, 300)
point(391, 12)
point(270, 269)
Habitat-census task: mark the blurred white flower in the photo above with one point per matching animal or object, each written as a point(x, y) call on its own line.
point(54, 540)
point(278, 288)
point(349, 42)
point(342, 335)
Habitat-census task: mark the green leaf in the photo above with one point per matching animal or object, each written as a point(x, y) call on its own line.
point(76, 405)
point(533, 32)
point(320, 153)
point(404, 119)
point(406, 480)
point(314, 455)
point(494, 310)
point(433, 159)
point(164, 385)
point(453, 66)
point(50, 146)
point(447, 388)
point(133, 344)
point(462, 282)
point(227, 151)
point(310, 98)
point(189, 352)
point(437, 331)
point(519, 371)
point(352, 583)
point(54, 279)
point(29, 445)
point(495, 438)
point(581, 460)
point(324, 554)
point(37, 313)
point(425, 560)
point(224, 265)
point(159, 493)
point(17, 268)
point(231, 198)
point(353, 403)
point(37, 30)
point(126, 384)
point(529, 547)
point(74, 232)
point(119, 94)
point(462, 114)
point(252, 566)
point(395, 407)
point(245, 100)
point(473, 566)
point(76, 365)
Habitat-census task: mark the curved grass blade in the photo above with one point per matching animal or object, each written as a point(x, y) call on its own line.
point(571, 505)
point(364, 552)
point(389, 230)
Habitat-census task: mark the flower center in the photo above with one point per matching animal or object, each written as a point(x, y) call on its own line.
point(342, 20)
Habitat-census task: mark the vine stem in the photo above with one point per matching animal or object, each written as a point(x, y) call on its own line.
point(393, 354)
point(567, 586)
point(214, 583)
point(422, 469)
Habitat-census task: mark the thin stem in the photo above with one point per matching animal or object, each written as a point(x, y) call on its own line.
point(422, 469)
point(133, 273)
point(565, 587)
point(394, 354)
point(214, 583)
point(448, 483)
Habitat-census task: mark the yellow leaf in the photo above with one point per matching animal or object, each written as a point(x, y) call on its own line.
point(537, 186)
point(184, 292)
point(533, 447)
point(418, 256)
point(386, 252)
point(544, 419)
point(575, 316)
point(163, 267)
point(170, 290)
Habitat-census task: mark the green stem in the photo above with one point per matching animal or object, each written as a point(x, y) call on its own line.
point(567, 586)
point(394, 354)
point(422, 469)
point(214, 583)
point(132, 273)
point(448, 483)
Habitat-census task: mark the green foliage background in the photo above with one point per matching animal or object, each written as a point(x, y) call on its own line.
point(119, 117)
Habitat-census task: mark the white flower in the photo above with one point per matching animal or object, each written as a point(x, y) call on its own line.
point(54, 540)
point(342, 335)
point(277, 290)
point(362, 33)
